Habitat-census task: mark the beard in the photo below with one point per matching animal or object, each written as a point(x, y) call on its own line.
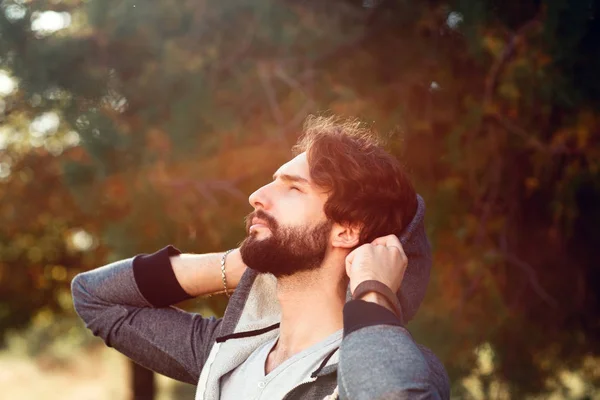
point(288, 250)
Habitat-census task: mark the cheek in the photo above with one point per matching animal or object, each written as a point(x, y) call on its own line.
point(300, 212)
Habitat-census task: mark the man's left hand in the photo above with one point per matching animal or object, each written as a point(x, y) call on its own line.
point(383, 260)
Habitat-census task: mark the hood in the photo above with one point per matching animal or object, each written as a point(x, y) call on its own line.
point(418, 251)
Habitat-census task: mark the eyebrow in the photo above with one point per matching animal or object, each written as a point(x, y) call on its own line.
point(291, 178)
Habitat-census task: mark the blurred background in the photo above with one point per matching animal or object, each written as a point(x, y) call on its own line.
point(129, 125)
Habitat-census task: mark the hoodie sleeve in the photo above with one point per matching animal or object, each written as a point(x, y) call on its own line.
point(379, 359)
point(127, 304)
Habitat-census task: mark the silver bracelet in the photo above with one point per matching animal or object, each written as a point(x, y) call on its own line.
point(223, 271)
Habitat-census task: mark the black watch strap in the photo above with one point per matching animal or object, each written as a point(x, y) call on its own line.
point(381, 288)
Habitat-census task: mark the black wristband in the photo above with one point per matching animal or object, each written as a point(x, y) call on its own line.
point(382, 289)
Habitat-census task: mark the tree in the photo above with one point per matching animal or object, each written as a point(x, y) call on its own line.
point(182, 108)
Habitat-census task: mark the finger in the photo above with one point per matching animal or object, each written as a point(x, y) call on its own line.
point(389, 240)
point(350, 257)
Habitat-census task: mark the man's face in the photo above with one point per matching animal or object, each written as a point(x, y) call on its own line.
point(288, 231)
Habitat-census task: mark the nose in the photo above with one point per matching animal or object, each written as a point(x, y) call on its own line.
point(259, 198)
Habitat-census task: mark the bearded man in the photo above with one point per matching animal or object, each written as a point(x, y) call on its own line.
point(335, 263)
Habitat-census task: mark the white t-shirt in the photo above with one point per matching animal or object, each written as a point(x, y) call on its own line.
point(248, 381)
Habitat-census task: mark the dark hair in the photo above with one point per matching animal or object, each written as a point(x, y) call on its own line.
point(366, 184)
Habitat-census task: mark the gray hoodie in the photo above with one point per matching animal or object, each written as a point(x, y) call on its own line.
point(128, 304)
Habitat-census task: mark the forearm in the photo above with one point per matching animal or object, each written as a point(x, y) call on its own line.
point(200, 274)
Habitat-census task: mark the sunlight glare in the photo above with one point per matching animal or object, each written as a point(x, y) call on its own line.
point(44, 125)
point(48, 22)
point(82, 240)
point(7, 84)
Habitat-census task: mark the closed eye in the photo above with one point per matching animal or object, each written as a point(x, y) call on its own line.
point(295, 188)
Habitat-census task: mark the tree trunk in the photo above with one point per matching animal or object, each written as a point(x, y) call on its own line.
point(142, 383)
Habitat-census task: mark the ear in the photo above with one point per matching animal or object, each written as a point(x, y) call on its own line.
point(345, 236)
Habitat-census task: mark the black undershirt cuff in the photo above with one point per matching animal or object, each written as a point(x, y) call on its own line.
point(360, 314)
point(156, 280)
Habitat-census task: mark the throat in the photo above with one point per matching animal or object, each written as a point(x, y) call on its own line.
point(274, 359)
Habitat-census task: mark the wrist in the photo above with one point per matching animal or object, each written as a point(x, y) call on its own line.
point(198, 274)
point(377, 298)
point(231, 268)
point(377, 292)
point(234, 268)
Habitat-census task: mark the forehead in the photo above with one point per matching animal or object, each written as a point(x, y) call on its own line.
point(296, 166)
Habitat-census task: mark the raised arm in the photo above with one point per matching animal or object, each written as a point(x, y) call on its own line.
point(128, 304)
point(379, 359)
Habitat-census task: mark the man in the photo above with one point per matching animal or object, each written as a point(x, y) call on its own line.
point(324, 230)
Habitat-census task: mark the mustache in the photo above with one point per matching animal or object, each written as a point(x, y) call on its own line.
point(260, 214)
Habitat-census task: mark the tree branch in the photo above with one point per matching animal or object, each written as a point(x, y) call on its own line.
point(270, 93)
point(533, 279)
point(491, 80)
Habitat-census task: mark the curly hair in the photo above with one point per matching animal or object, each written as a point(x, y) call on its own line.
point(366, 184)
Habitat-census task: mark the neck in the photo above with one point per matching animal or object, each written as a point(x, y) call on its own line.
point(311, 309)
